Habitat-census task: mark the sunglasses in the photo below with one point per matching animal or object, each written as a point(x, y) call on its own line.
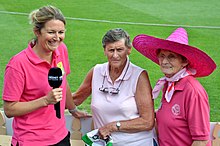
point(109, 90)
point(112, 90)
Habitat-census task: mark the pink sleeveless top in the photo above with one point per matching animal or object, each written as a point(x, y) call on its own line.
point(107, 107)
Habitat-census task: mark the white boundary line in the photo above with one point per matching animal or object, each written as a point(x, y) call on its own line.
point(117, 22)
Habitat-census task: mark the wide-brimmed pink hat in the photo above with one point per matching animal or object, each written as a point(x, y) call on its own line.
point(177, 42)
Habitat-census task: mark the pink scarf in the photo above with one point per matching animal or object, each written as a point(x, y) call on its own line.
point(170, 89)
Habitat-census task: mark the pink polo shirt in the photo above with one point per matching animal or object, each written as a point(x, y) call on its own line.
point(26, 79)
point(186, 117)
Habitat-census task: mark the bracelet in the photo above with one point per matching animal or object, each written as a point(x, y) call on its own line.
point(73, 110)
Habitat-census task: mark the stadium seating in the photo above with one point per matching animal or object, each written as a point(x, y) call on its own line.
point(79, 127)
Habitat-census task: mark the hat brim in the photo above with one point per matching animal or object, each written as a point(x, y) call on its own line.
point(198, 60)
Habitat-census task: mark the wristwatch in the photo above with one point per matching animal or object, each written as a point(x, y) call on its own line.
point(73, 110)
point(118, 125)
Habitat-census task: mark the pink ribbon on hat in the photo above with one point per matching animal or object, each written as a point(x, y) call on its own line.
point(171, 81)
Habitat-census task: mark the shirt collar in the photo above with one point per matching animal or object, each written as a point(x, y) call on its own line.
point(32, 56)
point(128, 68)
point(179, 85)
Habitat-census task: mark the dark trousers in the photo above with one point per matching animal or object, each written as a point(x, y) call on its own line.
point(64, 142)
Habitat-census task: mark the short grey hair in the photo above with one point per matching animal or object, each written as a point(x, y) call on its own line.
point(115, 35)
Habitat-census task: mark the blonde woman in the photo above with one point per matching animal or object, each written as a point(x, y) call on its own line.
point(27, 94)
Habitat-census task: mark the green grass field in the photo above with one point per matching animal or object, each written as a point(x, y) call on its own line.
point(83, 37)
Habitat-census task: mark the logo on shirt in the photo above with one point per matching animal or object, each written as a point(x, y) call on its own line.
point(60, 65)
point(176, 109)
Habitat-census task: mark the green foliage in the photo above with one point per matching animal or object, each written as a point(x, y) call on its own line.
point(83, 38)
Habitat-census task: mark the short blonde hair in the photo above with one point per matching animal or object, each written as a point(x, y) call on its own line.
point(39, 17)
